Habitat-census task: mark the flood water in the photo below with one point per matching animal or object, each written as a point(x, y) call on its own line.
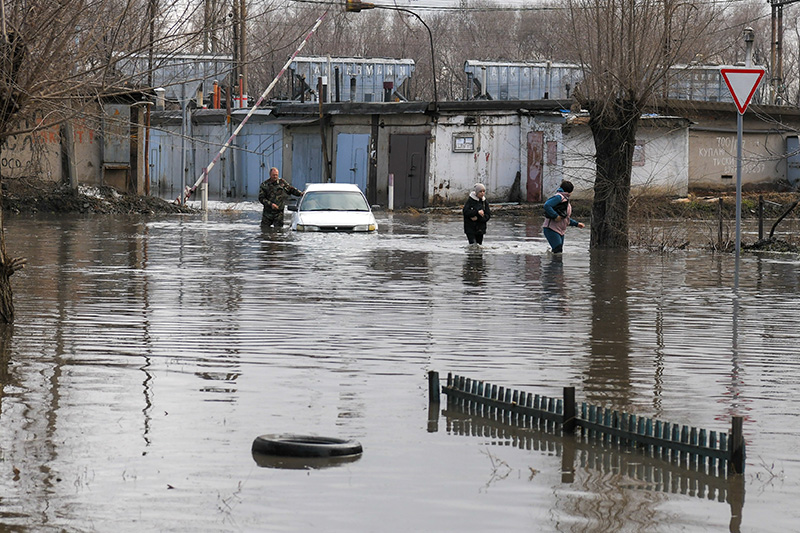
point(148, 353)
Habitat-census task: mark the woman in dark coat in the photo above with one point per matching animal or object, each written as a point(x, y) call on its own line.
point(476, 214)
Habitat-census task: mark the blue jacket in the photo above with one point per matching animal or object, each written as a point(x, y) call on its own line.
point(558, 206)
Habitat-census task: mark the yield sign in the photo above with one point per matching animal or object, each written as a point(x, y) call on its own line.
point(742, 83)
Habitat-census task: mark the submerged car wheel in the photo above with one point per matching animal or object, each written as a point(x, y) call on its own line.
point(305, 446)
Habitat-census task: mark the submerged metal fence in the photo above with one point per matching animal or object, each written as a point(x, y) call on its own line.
point(581, 454)
point(656, 438)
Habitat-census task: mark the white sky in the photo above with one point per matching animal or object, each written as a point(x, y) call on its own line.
point(434, 4)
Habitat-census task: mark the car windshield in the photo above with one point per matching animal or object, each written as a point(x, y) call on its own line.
point(333, 201)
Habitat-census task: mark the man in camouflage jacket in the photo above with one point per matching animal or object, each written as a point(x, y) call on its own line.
point(272, 195)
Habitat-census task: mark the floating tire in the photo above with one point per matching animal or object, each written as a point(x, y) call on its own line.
point(305, 446)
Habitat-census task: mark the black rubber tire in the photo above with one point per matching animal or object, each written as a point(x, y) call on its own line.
point(305, 446)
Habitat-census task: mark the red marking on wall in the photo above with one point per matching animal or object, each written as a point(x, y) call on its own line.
point(534, 166)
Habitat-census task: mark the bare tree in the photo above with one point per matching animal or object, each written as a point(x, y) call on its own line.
point(59, 58)
point(625, 48)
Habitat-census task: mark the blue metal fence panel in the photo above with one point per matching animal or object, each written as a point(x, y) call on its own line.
point(524, 81)
point(208, 139)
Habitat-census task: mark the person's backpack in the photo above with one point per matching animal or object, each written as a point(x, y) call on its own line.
point(560, 209)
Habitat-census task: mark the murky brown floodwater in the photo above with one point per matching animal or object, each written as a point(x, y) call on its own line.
point(148, 354)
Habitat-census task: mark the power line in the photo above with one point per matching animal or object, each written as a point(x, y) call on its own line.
point(445, 7)
point(448, 5)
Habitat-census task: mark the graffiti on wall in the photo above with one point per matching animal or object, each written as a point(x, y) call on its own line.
point(37, 151)
point(720, 154)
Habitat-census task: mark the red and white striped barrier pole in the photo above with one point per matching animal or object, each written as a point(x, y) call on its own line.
point(189, 190)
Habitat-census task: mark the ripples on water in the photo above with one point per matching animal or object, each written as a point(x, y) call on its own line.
point(148, 353)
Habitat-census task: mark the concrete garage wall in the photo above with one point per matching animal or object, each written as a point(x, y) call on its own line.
point(35, 153)
point(470, 149)
point(39, 153)
point(660, 162)
point(712, 141)
point(554, 158)
point(712, 160)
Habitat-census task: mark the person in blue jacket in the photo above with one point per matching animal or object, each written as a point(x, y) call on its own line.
point(557, 216)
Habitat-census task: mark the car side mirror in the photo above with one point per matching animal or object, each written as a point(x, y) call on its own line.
point(292, 207)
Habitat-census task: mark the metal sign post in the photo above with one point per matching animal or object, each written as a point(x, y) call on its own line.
point(742, 83)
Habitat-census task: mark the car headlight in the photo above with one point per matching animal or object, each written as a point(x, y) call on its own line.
point(306, 227)
point(364, 227)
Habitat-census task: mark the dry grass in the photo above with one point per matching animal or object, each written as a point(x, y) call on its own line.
point(651, 217)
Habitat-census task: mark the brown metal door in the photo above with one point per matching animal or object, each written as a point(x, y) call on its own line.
point(408, 162)
point(535, 166)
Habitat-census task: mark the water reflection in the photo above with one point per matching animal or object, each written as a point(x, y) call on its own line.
point(554, 286)
point(148, 352)
point(733, 405)
point(6, 339)
point(302, 463)
point(609, 363)
point(624, 476)
point(274, 248)
point(474, 267)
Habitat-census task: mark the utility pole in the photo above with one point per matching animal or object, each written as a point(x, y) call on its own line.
point(236, 47)
point(776, 49)
point(356, 6)
point(243, 46)
point(206, 25)
point(152, 8)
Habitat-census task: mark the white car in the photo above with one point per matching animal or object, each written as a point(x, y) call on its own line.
point(333, 207)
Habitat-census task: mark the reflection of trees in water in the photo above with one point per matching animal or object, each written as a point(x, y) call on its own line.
point(658, 374)
point(6, 336)
point(607, 487)
point(608, 377)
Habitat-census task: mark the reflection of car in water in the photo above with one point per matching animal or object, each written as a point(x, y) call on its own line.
point(333, 207)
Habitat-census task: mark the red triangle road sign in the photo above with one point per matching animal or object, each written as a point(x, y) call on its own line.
point(742, 83)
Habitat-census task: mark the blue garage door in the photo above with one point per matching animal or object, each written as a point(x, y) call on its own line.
point(306, 159)
point(352, 151)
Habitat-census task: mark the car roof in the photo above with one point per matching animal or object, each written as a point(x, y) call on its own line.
point(332, 187)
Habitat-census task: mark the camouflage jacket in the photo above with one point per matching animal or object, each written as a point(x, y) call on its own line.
point(275, 192)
